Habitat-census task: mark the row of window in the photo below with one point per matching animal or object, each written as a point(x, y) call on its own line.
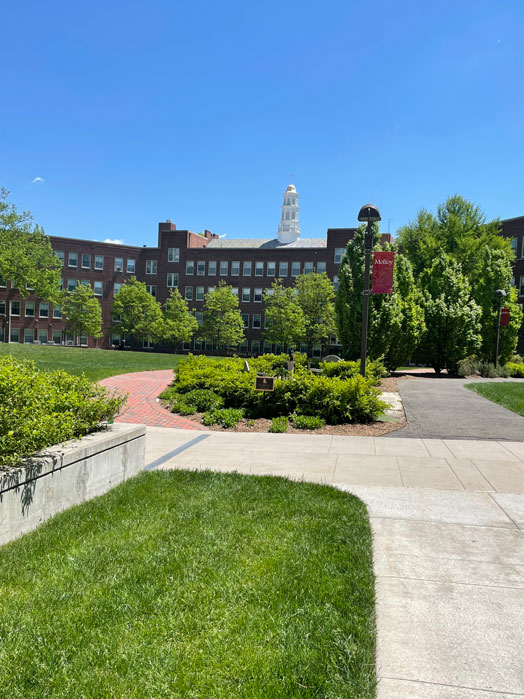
point(30, 308)
point(41, 336)
point(98, 287)
point(247, 268)
point(86, 259)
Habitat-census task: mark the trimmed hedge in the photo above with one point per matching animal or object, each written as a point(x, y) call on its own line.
point(39, 409)
point(515, 369)
point(335, 399)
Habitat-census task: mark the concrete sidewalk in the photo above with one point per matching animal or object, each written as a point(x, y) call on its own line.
point(448, 536)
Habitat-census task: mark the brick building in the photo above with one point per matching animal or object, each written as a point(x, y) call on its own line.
point(195, 264)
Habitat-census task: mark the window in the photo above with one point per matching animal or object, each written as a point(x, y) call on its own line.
point(29, 336)
point(57, 311)
point(2, 308)
point(257, 297)
point(173, 254)
point(86, 260)
point(246, 268)
point(335, 283)
point(44, 310)
point(72, 259)
point(201, 268)
point(199, 293)
point(270, 292)
point(147, 344)
point(259, 269)
point(190, 266)
point(235, 268)
point(189, 293)
point(234, 290)
point(85, 282)
point(83, 340)
point(130, 266)
point(210, 289)
point(99, 262)
point(72, 284)
point(283, 269)
point(42, 337)
point(119, 264)
point(308, 268)
point(14, 335)
point(257, 321)
point(61, 284)
point(246, 295)
point(212, 267)
point(15, 308)
point(61, 256)
point(57, 337)
point(150, 266)
point(255, 345)
point(2, 283)
point(271, 269)
point(151, 289)
point(117, 288)
point(172, 280)
point(245, 319)
point(514, 243)
point(29, 309)
point(97, 288)
point(199, 317)
point(295, 269)
point(321, 267)
point(339, 254)
point(29, 288)
point(266, 323)
point(224, 267)
point(521, 290)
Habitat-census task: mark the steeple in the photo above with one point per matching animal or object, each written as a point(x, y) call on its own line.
point(289, 230)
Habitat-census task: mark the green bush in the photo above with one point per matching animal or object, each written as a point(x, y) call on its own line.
point(226, 417)
point(185, 408)
point(348, 369)
point(279, 424)
point(471, 366)
point(39, 409)
point(203, 399)
point(515, 369)
point(308, 422)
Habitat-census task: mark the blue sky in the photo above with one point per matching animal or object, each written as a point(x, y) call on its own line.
point(134, 112)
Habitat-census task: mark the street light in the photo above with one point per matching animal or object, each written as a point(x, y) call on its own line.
point(499, 295)
point(369, 213)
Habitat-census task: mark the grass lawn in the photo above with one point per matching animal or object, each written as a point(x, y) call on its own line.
point(193, 584)
point(507, 393)
point(94, 363)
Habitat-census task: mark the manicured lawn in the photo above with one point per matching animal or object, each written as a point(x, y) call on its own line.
point(184, 584)
point(95, 364)
point(506, 393)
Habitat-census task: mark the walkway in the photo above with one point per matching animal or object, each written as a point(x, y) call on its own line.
point(448, 536)
point(443, 407)
point(142, 407)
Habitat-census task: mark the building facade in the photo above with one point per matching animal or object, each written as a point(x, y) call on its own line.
point(195, 264)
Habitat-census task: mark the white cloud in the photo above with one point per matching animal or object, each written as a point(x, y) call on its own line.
point(37, 179)
point(223, 235)
point(115, 241)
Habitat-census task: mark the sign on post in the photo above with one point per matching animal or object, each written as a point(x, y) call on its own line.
point(265, 383)
point(504, 317)
point(382, 277)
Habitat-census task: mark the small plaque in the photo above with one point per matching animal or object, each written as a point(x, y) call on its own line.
point(265, 383)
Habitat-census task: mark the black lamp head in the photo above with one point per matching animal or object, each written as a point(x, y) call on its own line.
point(369, 212)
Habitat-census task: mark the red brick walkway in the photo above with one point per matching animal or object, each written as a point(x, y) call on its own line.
point(144, 387)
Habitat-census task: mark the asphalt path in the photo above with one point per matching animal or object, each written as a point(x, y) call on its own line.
point(443, 408)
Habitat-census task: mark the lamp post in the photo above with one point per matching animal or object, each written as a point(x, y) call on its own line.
point(368, 213)
point(499, 295)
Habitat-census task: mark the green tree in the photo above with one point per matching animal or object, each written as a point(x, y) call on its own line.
point(284, 316)
point(26, 255)
point(452, 316)
point(139, 313)
point(396, 321)
point(222, 320)
point(497, 274)
point(179, 323)
point(82, 312)
point(315, 296)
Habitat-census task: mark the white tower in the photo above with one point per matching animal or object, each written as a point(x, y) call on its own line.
point(289, 230)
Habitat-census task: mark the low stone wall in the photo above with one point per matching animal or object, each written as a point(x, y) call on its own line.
point(67, 475)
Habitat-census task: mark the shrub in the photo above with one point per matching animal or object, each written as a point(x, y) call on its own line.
point(226, 417)
point(515, 369)
point(349, 369)
point(471, 366)
point(308, 422)
point(203, 399)
point(39, 409)
point(279, 424)
point(185, 408)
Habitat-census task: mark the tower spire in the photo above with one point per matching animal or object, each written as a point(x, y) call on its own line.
point(288, 229)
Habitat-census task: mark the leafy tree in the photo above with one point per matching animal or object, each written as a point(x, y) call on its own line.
point(396, 321)
point(315, 296)
point(497, 274)
point(460, 230)
point(139, 312)
point(179, 323)
point(285, 319)
point(26, 255)
point(222, 320)
point(82, 312)
point(452, 316)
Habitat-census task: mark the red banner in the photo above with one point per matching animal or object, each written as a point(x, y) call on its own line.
point(382, 278)
point(504, 316)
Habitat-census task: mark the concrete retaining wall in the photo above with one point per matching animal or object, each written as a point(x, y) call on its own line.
point(67, 475)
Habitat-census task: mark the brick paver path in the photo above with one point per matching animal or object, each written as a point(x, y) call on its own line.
point(144, 387)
